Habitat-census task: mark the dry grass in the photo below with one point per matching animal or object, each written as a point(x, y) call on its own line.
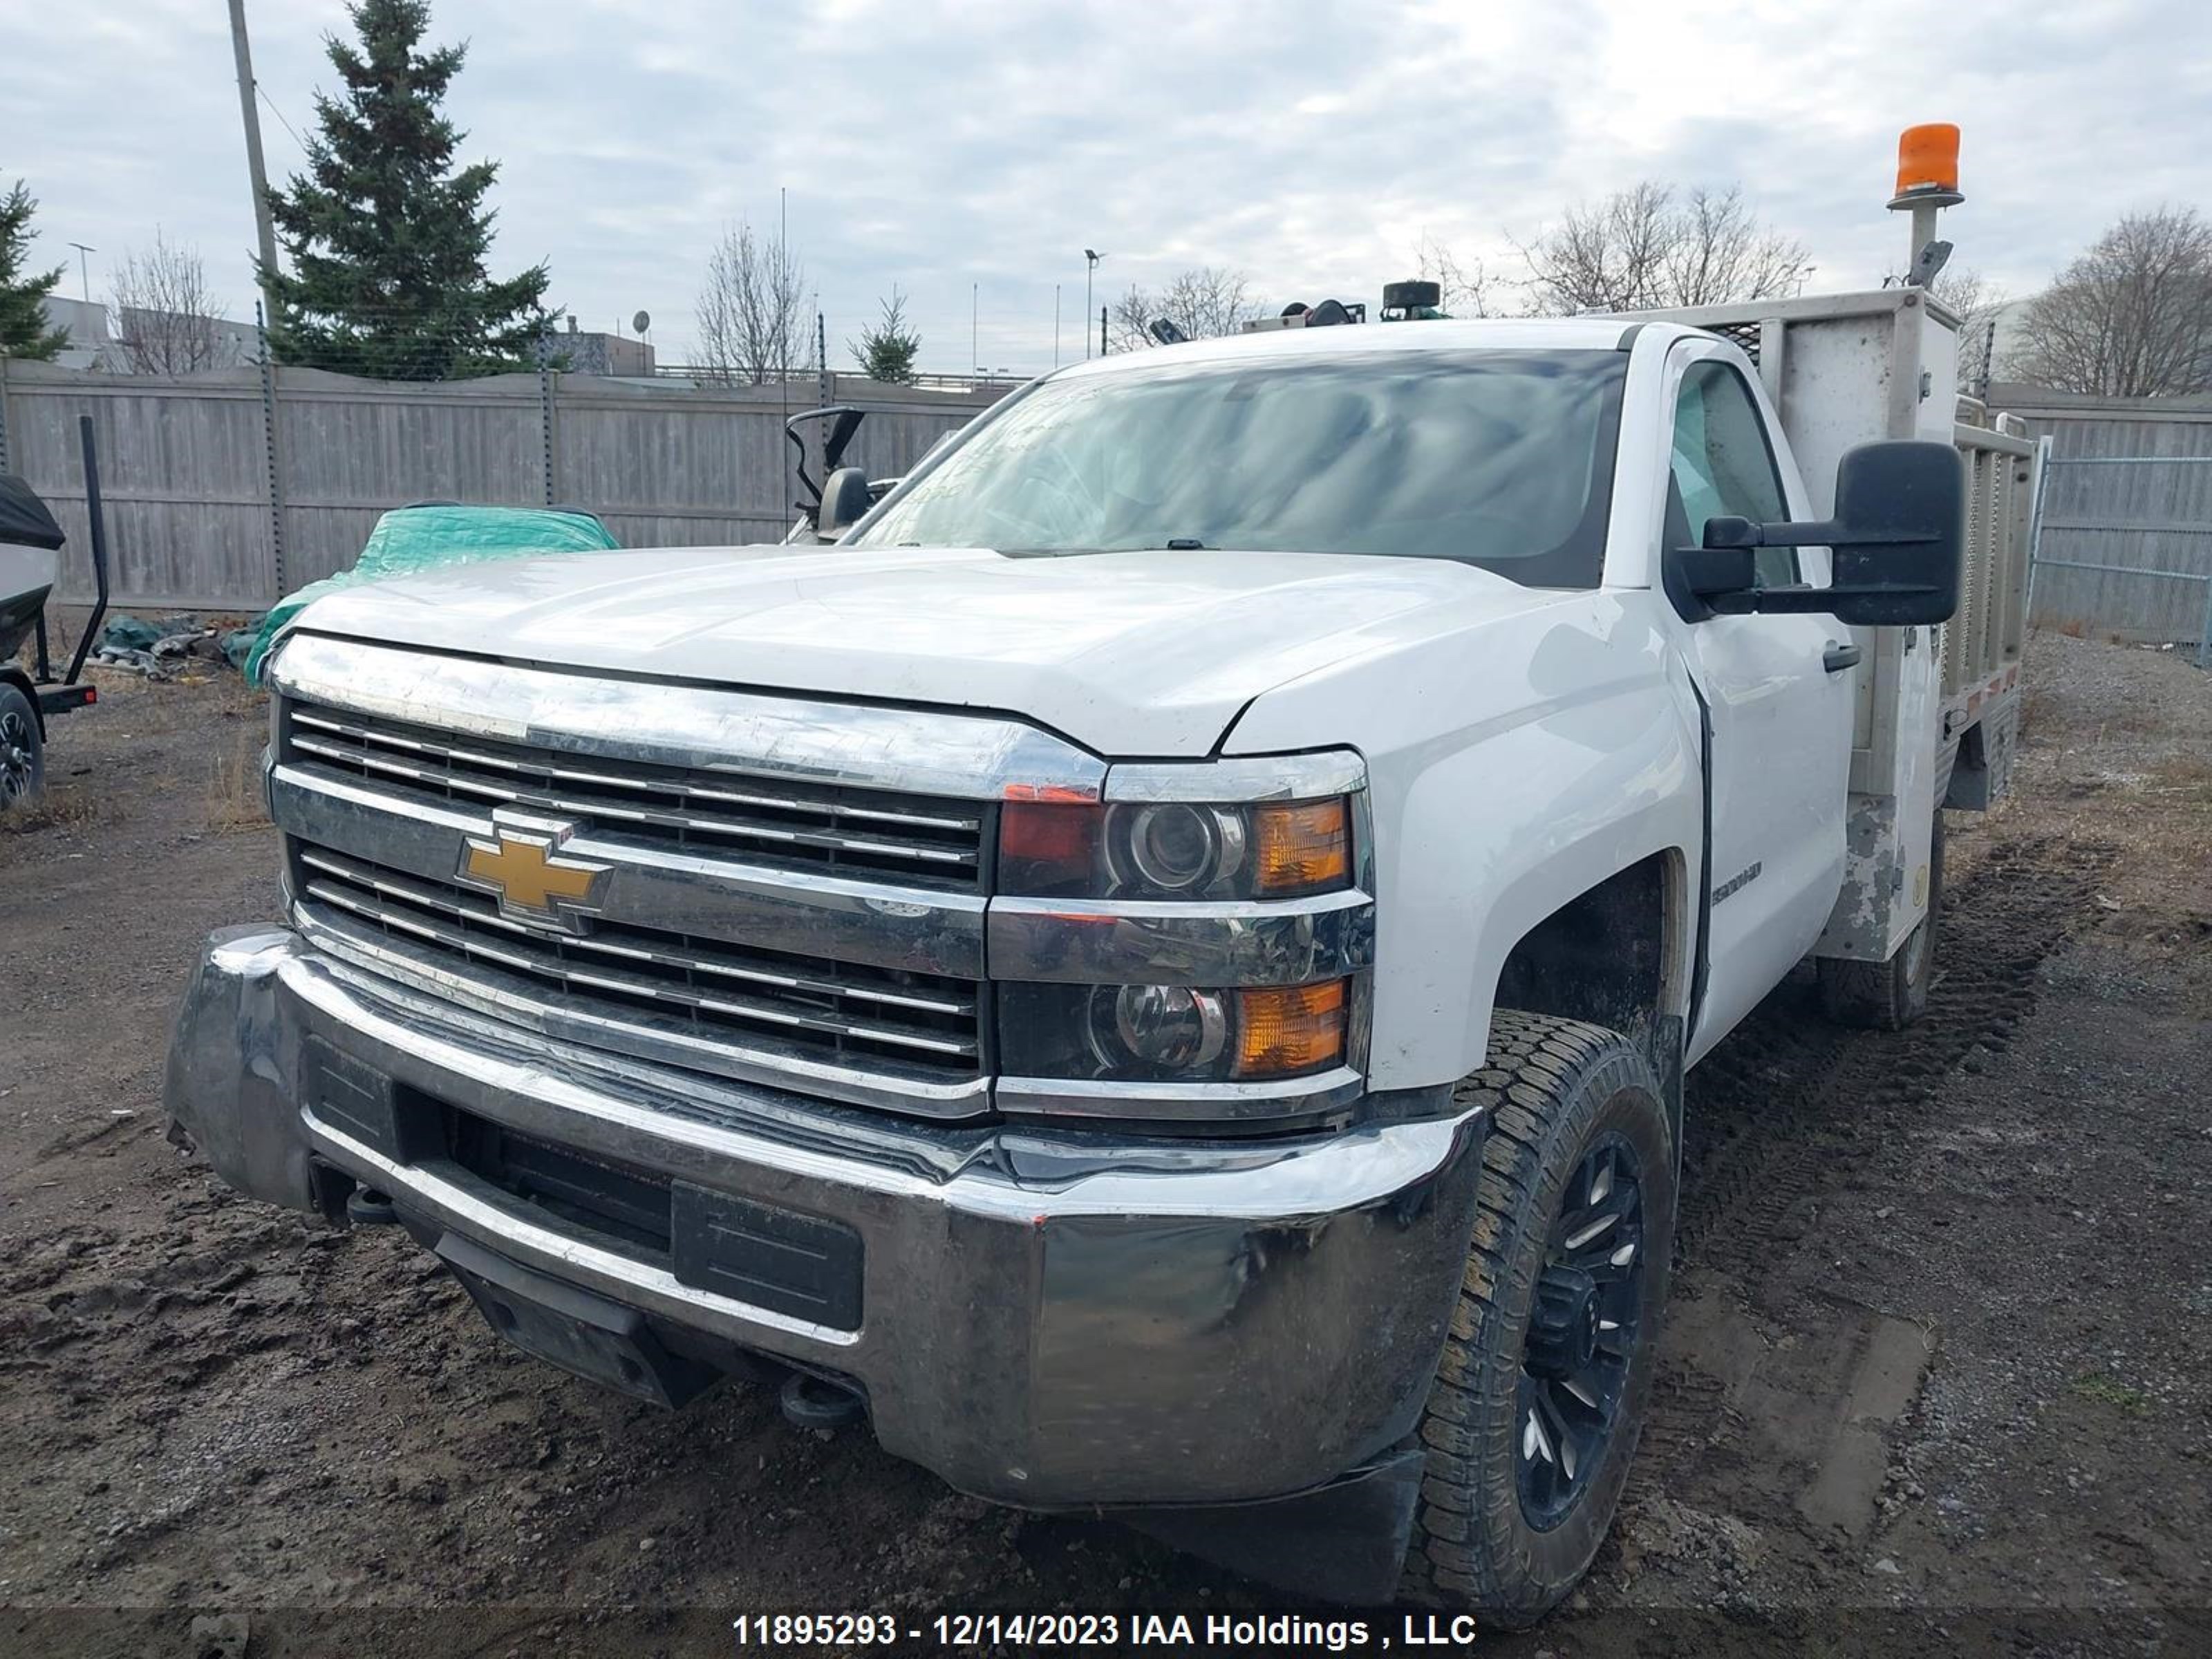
point(2188, 777)
point(66, 809)
point(235, 802)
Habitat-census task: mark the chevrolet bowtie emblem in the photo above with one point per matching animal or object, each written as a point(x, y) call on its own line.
point(521, 864)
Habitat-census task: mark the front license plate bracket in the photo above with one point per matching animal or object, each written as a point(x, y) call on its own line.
point(576, 1329)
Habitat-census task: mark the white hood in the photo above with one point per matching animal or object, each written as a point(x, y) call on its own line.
point(1130, 654)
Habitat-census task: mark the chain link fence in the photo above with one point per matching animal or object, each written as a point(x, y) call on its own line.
point(2123, 546)
point(2155, 585)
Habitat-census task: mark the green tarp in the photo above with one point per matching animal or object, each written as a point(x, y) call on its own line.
point(411, 538)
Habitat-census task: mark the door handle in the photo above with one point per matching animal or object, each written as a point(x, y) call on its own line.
point(1836, 658)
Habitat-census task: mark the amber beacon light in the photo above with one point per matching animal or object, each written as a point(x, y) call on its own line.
point(1927, 166)
point(1927, 182)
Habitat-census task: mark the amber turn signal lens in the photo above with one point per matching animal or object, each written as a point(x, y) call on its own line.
point(1301, 848)
point(1282, 1030)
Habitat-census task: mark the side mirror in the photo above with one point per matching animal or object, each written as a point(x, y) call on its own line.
point(1898, 537)
point(845, 501)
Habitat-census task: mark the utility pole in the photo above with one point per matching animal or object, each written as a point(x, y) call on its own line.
point(974, 326)
point(256, 171)
point(1056, 324)
point(1091, 258)
point(782, 297)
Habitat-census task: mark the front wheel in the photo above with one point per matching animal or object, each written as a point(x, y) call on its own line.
point(22, 752)
point(1533, 1417)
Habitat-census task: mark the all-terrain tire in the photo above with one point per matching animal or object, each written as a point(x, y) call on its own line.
point(1888, 996)
point(22, 749)
point(1557, 1089)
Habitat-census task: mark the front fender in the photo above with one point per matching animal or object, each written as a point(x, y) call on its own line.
point(1515, 763)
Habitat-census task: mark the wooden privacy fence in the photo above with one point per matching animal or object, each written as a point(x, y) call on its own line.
point(225, 490)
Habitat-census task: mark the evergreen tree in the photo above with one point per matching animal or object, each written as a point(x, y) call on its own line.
point(24, 331)
point(386, 238)
point(886, 352)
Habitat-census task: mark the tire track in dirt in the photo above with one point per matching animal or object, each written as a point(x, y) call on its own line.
point(1789, 1105)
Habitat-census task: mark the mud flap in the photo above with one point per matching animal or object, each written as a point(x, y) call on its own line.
point(573, 1328)
point(1345, 1542)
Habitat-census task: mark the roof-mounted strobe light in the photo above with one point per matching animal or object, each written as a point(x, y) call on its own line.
point(1927, 181)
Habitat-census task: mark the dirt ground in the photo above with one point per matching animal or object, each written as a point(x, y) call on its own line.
point(1938, 1373)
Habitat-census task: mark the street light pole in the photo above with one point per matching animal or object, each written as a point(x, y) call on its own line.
point(83, 270)
point(974, 326)
point(1091, 258)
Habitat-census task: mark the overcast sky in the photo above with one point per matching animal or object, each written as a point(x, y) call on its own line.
point(981, 147)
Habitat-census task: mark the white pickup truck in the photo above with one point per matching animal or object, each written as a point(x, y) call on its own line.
point(1160, 967)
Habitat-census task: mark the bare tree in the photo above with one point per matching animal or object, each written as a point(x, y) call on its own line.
point(1965, 291)
point(1646, 247)
point(2131, 318)
point(752, 318)
point(1975, 301)
point(1724, 253)
point(1202, 302)
point(1605, 256)
point(165, 320)
point(1465, 284)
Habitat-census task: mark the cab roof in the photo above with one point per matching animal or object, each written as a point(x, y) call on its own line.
point(1445, 334)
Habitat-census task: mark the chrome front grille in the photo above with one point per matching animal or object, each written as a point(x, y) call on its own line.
point(867, 834)
point(742, 999)
point(804, 933)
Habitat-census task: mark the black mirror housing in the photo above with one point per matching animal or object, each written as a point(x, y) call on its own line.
point(845, 501)
point(1903, 505)
point(1898, 539)
point(1718, 568)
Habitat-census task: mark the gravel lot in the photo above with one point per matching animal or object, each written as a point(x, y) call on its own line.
point(1938, 1373)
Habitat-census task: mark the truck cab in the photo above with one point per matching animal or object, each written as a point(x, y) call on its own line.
point(1158, 968)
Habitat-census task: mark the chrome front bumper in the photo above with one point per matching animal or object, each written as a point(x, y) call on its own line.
point(1049, 1318)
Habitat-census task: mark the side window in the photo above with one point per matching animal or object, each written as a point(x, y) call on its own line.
point(1723, 467)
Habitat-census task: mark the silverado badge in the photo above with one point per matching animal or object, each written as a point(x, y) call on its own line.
point(520, 864)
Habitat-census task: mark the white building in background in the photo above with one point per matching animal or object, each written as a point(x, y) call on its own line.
point(95, 340)
point(232, 344)
point(1988, 345)
point(86, 320)
point(96, 337)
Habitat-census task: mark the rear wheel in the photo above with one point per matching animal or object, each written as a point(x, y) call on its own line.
point(22, 750)
point(1888, 996)
point(1534, 1415)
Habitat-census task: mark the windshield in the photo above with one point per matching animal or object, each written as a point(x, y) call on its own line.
point(1501, 458)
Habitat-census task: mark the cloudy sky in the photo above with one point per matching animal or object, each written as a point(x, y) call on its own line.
point(976, 149)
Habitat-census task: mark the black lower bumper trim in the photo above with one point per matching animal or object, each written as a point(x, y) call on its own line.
point(799, 1265)
point(573, 1328)
point(802, 1267)
point(1345, 1542)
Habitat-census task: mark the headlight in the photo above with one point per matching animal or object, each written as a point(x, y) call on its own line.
point(1173, 1033)
point(1174, 849)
